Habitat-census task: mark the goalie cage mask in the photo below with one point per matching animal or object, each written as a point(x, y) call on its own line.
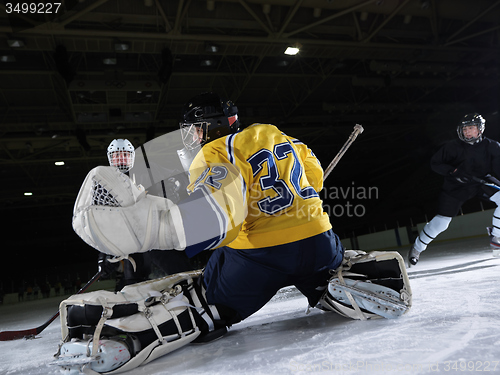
point(207, 117)
point(121, 154)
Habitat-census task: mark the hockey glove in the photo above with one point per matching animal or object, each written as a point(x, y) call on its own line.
point(461, 176)
point(105, 267)
point(116, 217)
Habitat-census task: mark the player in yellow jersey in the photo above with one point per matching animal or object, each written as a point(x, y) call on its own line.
point(269, 228)
point(253, 200)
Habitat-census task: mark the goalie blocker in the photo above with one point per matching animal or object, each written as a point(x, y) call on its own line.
point(108, 333)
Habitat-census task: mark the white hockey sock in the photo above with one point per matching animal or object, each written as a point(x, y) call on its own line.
point(496, 214)
point(431, 230)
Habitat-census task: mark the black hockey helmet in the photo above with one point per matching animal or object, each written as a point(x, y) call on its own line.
point(209, 112)
point(471, 119)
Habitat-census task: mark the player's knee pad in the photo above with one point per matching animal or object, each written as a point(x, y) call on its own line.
point(369, 285)
point(115, 332)
point(116, 217)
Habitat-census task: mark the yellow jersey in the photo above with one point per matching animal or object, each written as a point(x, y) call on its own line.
point(259, 188)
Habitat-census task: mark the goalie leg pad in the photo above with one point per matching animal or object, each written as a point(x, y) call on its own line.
point(143, 322)
point(369, 285)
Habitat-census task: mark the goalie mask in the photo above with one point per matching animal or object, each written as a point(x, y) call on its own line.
point(466, 131)
point(207, 117)
point(121, 154)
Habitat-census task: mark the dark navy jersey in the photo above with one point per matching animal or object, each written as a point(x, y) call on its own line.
point(478, 160)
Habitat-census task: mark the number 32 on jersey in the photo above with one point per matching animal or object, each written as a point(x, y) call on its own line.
point(272, 180)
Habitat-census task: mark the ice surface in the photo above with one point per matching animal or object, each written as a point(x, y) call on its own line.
point(453, 327)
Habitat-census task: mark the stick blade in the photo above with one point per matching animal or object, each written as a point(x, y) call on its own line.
point(16, 335)
point(25, 333)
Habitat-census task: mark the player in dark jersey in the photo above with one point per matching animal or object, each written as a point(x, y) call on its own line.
point(467, 165)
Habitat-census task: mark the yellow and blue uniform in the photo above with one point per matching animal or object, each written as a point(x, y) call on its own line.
point(254, 198)
point(265, 185)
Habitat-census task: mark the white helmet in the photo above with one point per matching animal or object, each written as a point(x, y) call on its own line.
point(121, 154)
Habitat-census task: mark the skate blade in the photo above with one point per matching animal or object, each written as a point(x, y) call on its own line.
point(73, 365)
point(74, 356)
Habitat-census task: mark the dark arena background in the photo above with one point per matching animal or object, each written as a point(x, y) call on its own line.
point(83, 73)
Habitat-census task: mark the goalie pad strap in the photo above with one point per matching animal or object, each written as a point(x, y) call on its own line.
point(107, 312)
point(149, 316)
point(196, 294)
point(360, 314)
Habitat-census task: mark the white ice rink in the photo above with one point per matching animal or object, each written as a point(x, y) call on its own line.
point(452, 328)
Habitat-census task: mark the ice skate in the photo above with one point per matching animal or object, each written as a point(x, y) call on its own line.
point(494, 242)
point(413, 256)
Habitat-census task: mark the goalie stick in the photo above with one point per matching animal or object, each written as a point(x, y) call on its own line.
point(358, 129)
point(28, 333)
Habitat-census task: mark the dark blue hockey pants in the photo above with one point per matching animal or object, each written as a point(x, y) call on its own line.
point(245, 280)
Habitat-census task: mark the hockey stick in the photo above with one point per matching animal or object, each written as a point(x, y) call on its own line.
point(486, 183)
point(28, 333)
point(358, 129)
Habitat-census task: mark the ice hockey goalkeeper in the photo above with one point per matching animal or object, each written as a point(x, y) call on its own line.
point(254, 202)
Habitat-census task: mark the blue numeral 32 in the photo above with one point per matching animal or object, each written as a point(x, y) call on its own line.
point(284, 196)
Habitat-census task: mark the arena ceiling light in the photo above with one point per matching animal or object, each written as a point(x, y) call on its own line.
point(15, 43)
point(109, 61)
point(212, 48)
point(207, 62)
point(122, 46)
point(293, 50)
point(7, 58)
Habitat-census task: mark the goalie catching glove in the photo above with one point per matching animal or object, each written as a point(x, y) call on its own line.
point(117, 217)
